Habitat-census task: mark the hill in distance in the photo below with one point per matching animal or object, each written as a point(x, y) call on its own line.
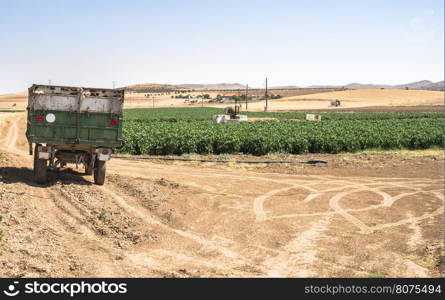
point(157, 87)
point(435, 86)
point(285, 87)
point(418, 85)
point(360, 86)
point(213, 86)
point(153, 87)
point(413, 85)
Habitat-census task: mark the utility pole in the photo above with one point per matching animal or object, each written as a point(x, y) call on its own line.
point(236, 101)
point(267, 107)
point(247, 93)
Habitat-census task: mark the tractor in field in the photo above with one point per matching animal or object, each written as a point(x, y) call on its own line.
point(336, 103)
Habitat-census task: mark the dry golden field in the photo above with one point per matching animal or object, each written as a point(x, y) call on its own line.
point(354, 99)
point(13, 101)
point(348, 98)
point(380, 97)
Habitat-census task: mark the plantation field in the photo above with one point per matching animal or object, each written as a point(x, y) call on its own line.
point(179, 131)
point(206, 113)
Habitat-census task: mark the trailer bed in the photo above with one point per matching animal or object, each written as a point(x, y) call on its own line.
point(75, 116)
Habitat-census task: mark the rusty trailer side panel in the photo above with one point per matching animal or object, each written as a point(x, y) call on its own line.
point(74, 99)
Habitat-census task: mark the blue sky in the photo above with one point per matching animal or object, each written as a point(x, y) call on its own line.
point(95, 42)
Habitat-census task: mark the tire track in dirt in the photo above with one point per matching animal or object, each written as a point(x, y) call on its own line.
point(64, 218)
point(73, 232)
point(367, 184)
point(12, 137)
point(67, 214)
point(230, 249)
point(387, 201)
point(225, 245)
point(71, 219)
point(5, 139)
point(416, 236)
point(300, 254)
point(106, 245)
point(334, 204)
point(231, 260)
point(10, 140)
point(258, 203)
point(4, 119)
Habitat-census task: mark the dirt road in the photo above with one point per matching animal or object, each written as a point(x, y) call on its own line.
point(362, 216)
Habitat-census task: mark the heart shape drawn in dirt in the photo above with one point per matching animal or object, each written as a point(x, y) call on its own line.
point(345, 187)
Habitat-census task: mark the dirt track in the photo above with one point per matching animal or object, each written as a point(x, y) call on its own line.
point(191, 220)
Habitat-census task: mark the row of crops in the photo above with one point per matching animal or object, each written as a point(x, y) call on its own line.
point(157, 133)
point(206, 113)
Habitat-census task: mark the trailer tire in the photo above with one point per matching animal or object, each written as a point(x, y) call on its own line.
point(40, 168)
point(99, 172)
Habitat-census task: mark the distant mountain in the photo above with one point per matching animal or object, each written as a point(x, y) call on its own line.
point(213, 86)
point(322, 86)
point(285, 87)
point(359, 86)
point(435, 86)
point(152, 87)
point(418, 85)
point(156, 87)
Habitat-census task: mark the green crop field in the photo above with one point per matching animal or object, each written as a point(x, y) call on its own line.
point(206, 113)
point(190, 130)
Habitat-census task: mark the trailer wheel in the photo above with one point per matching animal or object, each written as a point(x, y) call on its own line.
point(40, 168)
point(99, 172)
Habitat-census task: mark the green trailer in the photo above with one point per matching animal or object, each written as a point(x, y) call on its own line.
point(73, 125)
